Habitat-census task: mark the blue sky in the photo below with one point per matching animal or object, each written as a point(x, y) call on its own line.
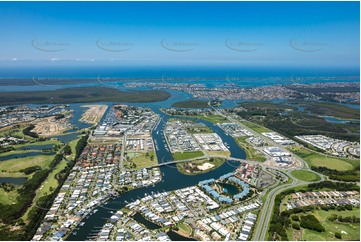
point(257, 34)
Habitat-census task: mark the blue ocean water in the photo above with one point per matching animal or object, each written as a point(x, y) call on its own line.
point(241, 77)
point(170, 71)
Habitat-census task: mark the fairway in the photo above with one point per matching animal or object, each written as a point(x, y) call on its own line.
point(8, 197)
point(22, 163)
point(48, 186)
point(187, 155)
point(349, 231)
point(316, 159)
point(304, 175)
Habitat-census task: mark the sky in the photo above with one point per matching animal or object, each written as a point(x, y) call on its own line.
point(239, 34)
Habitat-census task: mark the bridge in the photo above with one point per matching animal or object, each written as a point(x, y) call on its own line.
point(201, 158)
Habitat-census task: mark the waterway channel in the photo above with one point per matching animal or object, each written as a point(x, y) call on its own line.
point(172, 179)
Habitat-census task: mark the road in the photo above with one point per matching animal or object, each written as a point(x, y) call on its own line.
point(266, 213)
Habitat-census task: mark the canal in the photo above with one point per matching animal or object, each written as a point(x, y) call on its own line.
point(172, 179)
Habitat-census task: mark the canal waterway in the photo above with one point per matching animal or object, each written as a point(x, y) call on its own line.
point(172, 178)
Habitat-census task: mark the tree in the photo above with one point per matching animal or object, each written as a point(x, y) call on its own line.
point(338, 235)
point(67, 150)
point(296, 226)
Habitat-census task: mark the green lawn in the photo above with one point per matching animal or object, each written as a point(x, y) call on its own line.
point(8, 197)
point(256, 127)
point(218, 153)
point(316, 159)
point(22, 163)
point(141, 159)
point(72, 145)
point(51, 183)
point(305, 175)
point(252, 153)
point(46, 142)
point(16, 132)
point(349, 231)
point(211, 118)
point(184, 229)
point(47, 187)
point(187, 155)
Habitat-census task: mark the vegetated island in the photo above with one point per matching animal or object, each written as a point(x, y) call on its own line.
point(191, 104)
point(82, 95)
point(197, 167)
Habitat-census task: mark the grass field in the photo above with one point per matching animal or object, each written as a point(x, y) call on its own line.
point(22, 163)
point(16, 131)
point(47, 187)
point(187, 155)
point(13, 174)
point(142, 160)
point(51, 183)
point(256, 127)
point(252, 153)
point(39, 143)
point(211, 118)
point(304, 175)
point(218, 153)
point(349, 231)
point(8, 197)
point(184, 229)
point(72, 145)
point(316, 159)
